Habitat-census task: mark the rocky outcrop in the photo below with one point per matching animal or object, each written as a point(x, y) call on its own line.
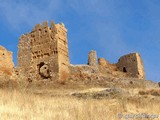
point(99, 93)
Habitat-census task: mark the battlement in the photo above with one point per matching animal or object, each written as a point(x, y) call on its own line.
point(52, 26)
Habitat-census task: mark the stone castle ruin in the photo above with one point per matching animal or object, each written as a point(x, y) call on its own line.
point(6, 63)
point(132, 63)
point(43, 55)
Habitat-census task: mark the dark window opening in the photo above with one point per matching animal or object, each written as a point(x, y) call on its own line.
point(63, 64)
point(40, 65)
point(124, 69)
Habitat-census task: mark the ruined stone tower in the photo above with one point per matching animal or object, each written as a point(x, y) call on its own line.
point(92, 58)
point(43, 53)
point(132, 64)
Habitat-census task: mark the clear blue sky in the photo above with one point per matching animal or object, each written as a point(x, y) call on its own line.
point(111, 27)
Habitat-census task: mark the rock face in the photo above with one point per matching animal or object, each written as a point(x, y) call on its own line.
point(92, 58)
point(6, 63)
point(132, 64)
point(45, 51)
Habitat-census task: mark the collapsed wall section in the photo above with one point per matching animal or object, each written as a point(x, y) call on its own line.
point(83, 72)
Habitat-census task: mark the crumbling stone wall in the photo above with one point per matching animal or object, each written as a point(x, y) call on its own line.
point(24, 53)
point(43, 53)
point(132, 64)
point(104, 68)
point(83, 72)
point(6, 63)
point(103, 62)
point(92, 58)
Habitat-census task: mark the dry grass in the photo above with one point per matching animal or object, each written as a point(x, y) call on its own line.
point(16, 105)
point(50, 101)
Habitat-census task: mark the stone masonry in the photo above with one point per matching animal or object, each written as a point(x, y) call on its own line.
point(92, 58)
point(6, 63)
point(43, 53)
point(132, 64)
point(103, 62)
